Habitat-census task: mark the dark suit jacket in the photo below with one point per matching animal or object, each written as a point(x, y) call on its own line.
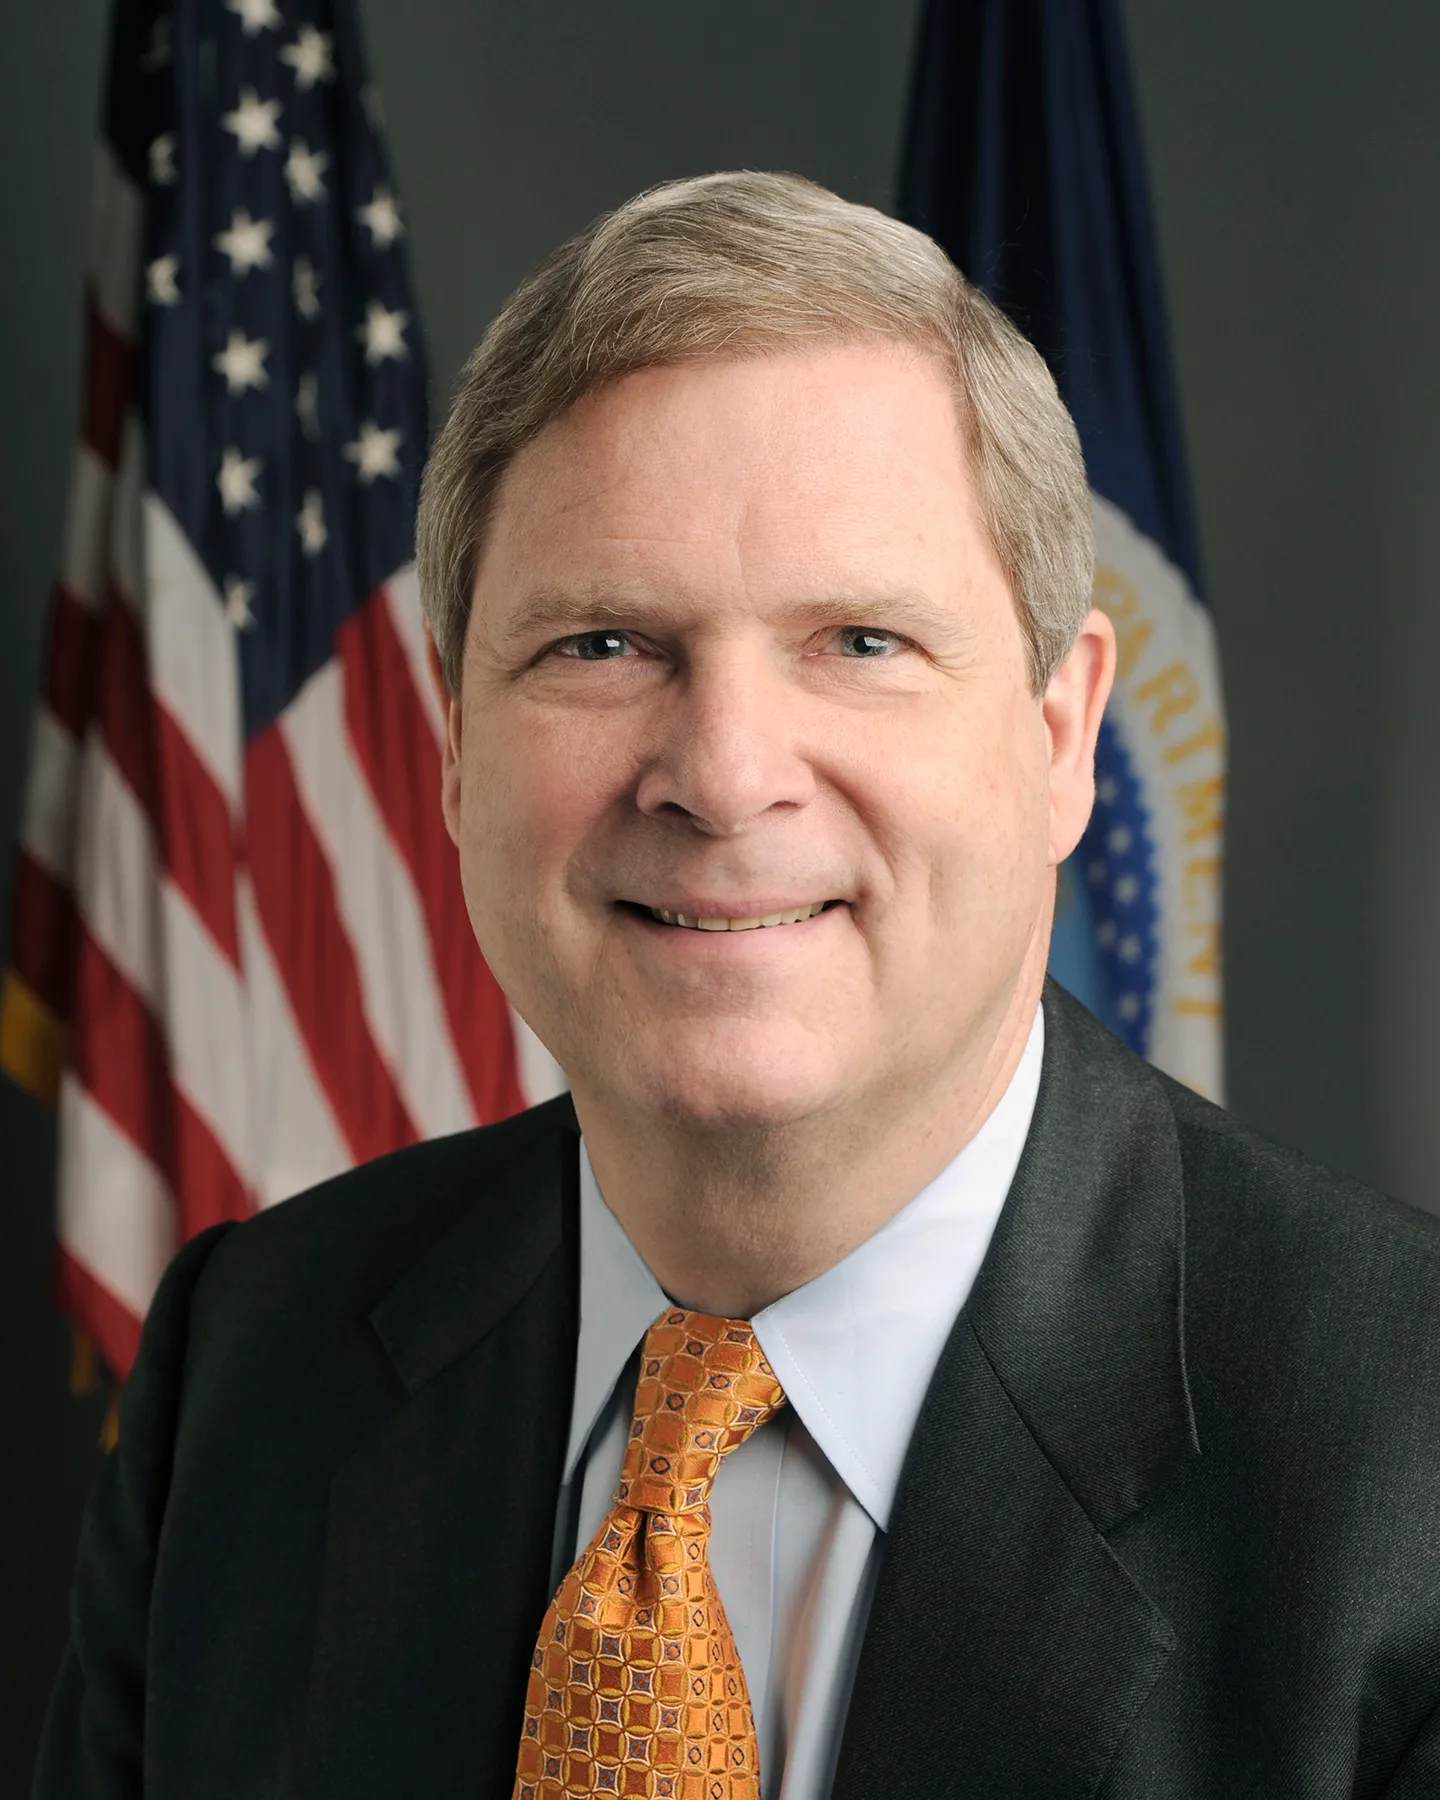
point(1169, 1526)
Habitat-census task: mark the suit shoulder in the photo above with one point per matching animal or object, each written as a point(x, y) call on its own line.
point(343, 1241)
point(1297, 1267)
point(1246, 1184)
point(1221, 1153)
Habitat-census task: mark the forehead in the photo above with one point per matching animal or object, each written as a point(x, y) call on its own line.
point(836, 464)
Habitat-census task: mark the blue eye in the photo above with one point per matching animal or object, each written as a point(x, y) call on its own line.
point(863, 640)
point(596, 646)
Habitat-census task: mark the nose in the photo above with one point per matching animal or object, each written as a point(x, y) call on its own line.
point(728, 747)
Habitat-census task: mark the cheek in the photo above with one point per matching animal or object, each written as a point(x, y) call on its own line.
point(530, 796)
point(982, 805)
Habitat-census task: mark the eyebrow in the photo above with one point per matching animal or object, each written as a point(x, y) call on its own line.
point(562, 612)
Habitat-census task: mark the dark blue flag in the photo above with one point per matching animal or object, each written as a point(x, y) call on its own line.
point(1023, 159)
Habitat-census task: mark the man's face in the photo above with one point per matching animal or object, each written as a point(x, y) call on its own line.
point(740, 647)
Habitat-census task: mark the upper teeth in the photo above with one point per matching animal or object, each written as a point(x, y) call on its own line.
point(779, 918)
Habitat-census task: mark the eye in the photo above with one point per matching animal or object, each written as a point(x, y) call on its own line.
point(596, 646)
point(869, 641)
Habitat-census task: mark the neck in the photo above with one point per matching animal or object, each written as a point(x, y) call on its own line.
point(728, 1225)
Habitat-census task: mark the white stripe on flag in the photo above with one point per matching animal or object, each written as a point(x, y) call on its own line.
point(115, 1213)
point(52, 792)
point(541, 1077)
point(87, 512)
point(380, 910)
point(149, 930)
point(117, 243)
point(297, 1142)
point(206, 1022)
point(116, 874)
point(402, 597)
point(192, 649)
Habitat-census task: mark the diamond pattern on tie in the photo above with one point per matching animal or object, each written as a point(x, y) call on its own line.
point(635, 1685)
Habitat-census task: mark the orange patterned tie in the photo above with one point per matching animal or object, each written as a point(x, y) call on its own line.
point(636, 1687)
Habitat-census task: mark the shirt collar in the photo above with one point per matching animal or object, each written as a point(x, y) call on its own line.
point(856, 1347)
point(619, 1301)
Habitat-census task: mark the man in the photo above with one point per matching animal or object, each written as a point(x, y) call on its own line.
point(877, 1382)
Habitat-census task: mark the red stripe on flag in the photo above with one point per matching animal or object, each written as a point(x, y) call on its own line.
point(111, 1326)
point(108, 378)
point(197, 832)
point(44, 929)
point(395, 748)
point(72, 661)
point(122, 1060)
point(207, 1187)
point(187, 811)
point(186, 808)
point(295, 899)
point(121, 1057)
point(125, 707)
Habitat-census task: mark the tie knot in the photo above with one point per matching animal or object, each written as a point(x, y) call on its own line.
point(704, 1386)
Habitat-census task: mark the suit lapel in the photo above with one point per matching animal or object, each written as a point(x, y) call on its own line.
point(439, 1534)
point(1007, 1648)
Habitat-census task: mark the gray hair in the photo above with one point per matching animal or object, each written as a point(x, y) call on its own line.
point(747, 264)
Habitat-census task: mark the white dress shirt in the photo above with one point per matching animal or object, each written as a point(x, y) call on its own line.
point(799, 1510)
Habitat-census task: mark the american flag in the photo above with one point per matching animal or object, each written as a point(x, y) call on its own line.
point(241, 960)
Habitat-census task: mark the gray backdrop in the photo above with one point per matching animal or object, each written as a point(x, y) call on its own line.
point(1296, 171)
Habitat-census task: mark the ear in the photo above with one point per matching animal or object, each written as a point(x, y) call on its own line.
point(1073, 705)
point(450, 750)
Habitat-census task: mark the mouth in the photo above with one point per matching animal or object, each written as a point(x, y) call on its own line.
point(723, 922)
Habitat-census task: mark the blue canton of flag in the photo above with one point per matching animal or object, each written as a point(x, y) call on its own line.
point(283, 383)
point(1023, 160)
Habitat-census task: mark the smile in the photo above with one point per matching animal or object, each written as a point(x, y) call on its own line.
point(690, 923)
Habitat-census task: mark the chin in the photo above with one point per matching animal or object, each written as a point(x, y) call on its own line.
point(746, 1081)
